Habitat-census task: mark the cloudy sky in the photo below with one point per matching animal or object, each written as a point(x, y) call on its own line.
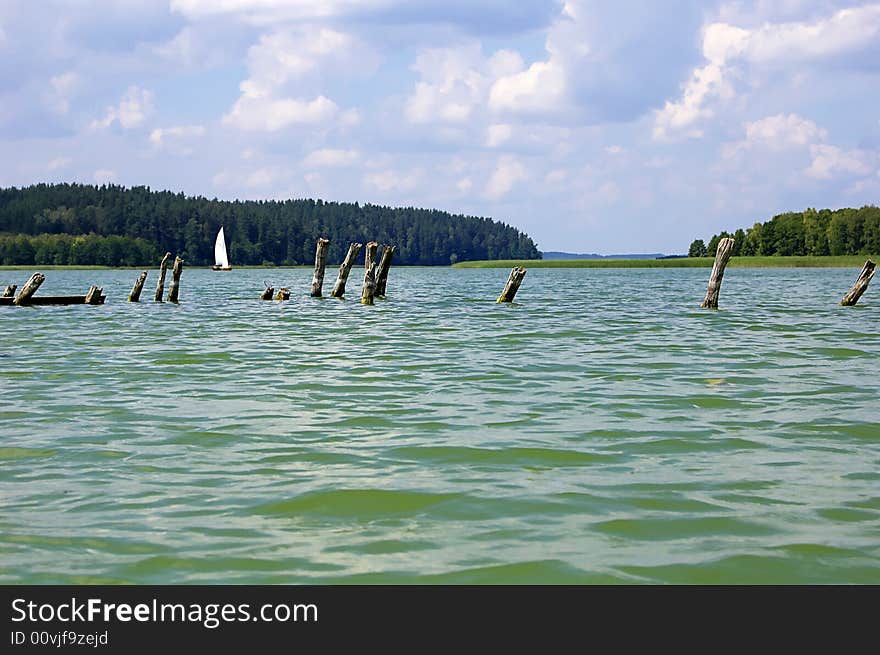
point(595, 126)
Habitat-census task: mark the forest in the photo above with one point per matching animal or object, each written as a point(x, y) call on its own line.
point(811, 233)
point(110, 225)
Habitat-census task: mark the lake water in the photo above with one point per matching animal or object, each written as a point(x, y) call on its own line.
point(602, 429)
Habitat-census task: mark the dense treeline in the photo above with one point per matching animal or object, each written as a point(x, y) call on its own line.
point(112, 225)
point(67, 249)
point(816, 233)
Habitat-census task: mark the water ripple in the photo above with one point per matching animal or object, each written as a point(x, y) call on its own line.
point(576, 436)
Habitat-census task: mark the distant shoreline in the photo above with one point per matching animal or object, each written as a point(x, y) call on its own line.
point(830, 261)
point(681, 262)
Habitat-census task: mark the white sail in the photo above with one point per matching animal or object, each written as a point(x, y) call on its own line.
point(220, 256)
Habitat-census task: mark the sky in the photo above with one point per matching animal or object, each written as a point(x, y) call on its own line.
point(600, 126)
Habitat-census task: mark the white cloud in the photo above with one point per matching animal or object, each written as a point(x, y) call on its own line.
point(829, 161)
point(454, 82)
point(329, 157)
point(390, 180)
point(266, 114)
point(782, 141)
point(678, 117)
point(350, 118)
point(61, 88)
point(262, 11)
point(782, 130)
point(284, 57)
point(508, 172)
point(131, 111)
point(200, 46)
point(555, 176)
point(847, 32)
point(287, 55)
point(498, 134)
point(776, 133)
point(178, 139)
point(57, 163)
point(260, 179)
point(540, 88)
point(104, 176)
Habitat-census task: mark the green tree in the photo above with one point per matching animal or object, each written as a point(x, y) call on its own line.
point(697, 248)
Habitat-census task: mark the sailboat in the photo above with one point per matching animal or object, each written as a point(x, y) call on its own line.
point(221, 259)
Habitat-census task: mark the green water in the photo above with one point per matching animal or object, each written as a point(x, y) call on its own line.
point(603, 429)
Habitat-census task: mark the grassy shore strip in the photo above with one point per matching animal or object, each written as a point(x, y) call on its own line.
point(84, 267)
point(684, 262)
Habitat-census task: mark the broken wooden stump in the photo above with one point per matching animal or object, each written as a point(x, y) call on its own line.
point(9, 291)
point(268, 292)
point(29, 289)
point(345, 269)
point(160, 286)
point(369, 289)
point(722, 256)
point(135, 294)
point(94, 296)
point(320, 263)
point(283, 294)
point(516, 277)
point(174, 289)
point(860, 285)
point(384, 265)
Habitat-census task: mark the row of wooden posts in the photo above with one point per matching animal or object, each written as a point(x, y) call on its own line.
point(375, 280)
point(722, 256)
point(375, 274)
point(173, 288)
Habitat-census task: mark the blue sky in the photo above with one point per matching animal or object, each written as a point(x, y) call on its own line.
point(620, 126)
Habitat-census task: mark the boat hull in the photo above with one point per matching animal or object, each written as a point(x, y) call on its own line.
point(221, 268)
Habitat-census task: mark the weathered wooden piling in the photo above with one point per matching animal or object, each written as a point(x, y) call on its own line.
point(267, 294)
point(174, 289)
point(29, 289)
point(384, 265)
point(135, 294)
point(369, 289)
point(345, 269)
point(722, 256)
point(516, 277)
point(9, 291)
point(320, 263)
point(160, 286)
point(860, 285)
point(93, 297)
point(283, 294)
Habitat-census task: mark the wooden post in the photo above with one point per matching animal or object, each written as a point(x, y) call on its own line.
point(369, 274)
point(517, 274)
point(267, 293)
point(174, 289)
point(345, 269)
point(29, 289)
point(160, 287)
point(320, 262)
point(722, 256)
point(860, 285)
point(10, 291)
point(384, 265)
point(93, 297)
point(283, 294)
point(135, 294)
